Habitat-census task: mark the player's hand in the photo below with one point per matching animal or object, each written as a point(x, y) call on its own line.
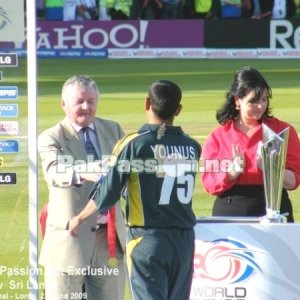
point(73, 225)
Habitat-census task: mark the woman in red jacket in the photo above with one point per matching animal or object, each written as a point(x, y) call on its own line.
point(232, 163)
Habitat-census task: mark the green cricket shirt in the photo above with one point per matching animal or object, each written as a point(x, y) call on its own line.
point(155, 169)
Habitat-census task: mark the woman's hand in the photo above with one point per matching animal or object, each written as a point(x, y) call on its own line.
point(289, 181)
point(238, 163)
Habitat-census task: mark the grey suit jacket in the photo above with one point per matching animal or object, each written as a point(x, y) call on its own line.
point(59, 147)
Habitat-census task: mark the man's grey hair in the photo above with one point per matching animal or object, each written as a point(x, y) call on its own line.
point(83, 81)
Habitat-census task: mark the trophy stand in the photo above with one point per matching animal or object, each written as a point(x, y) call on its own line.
point(273, 154)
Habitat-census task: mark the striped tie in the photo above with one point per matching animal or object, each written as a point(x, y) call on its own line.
point(89, 147)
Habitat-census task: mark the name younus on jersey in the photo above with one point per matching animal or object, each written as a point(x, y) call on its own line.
point(174, 160)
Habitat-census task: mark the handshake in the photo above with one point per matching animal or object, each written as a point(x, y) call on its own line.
point(92, 171)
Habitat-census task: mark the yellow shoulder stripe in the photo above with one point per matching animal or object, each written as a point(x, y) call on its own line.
point(123, 142)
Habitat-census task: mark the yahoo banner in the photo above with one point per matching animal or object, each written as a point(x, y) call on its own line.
point(96, 35)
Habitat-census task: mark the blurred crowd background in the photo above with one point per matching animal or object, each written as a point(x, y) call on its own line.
point(80, 10)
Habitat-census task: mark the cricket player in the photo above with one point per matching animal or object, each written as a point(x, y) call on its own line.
point(156, 166)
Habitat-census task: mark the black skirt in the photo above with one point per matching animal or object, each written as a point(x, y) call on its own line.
point(248, 201)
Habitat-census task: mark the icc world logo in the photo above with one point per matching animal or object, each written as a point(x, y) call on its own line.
point(224, 261)
point(4, 19)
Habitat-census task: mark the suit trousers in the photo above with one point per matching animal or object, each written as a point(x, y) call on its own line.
point(101, 281)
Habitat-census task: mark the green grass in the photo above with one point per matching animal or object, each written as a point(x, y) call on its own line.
point(123, 85)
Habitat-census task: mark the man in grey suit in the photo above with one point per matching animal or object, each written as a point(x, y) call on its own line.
point(70, 171)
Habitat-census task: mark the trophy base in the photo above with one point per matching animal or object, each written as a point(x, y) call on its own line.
point(273, 216)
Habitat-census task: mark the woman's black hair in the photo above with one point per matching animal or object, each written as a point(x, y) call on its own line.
point(245, 80)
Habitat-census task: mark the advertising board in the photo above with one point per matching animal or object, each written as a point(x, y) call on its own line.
point(246, 262)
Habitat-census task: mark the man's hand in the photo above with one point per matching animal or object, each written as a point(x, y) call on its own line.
point(92, 177)
point(93, 170)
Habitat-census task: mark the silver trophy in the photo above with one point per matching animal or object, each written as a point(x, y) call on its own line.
point(273, 155)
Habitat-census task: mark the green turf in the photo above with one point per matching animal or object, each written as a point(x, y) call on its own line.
point(123, 85)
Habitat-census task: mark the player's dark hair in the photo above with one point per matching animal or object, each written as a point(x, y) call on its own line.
point(245, 80)
point(165, 97)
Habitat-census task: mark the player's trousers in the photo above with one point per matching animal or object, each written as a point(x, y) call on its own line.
point(160, 262)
